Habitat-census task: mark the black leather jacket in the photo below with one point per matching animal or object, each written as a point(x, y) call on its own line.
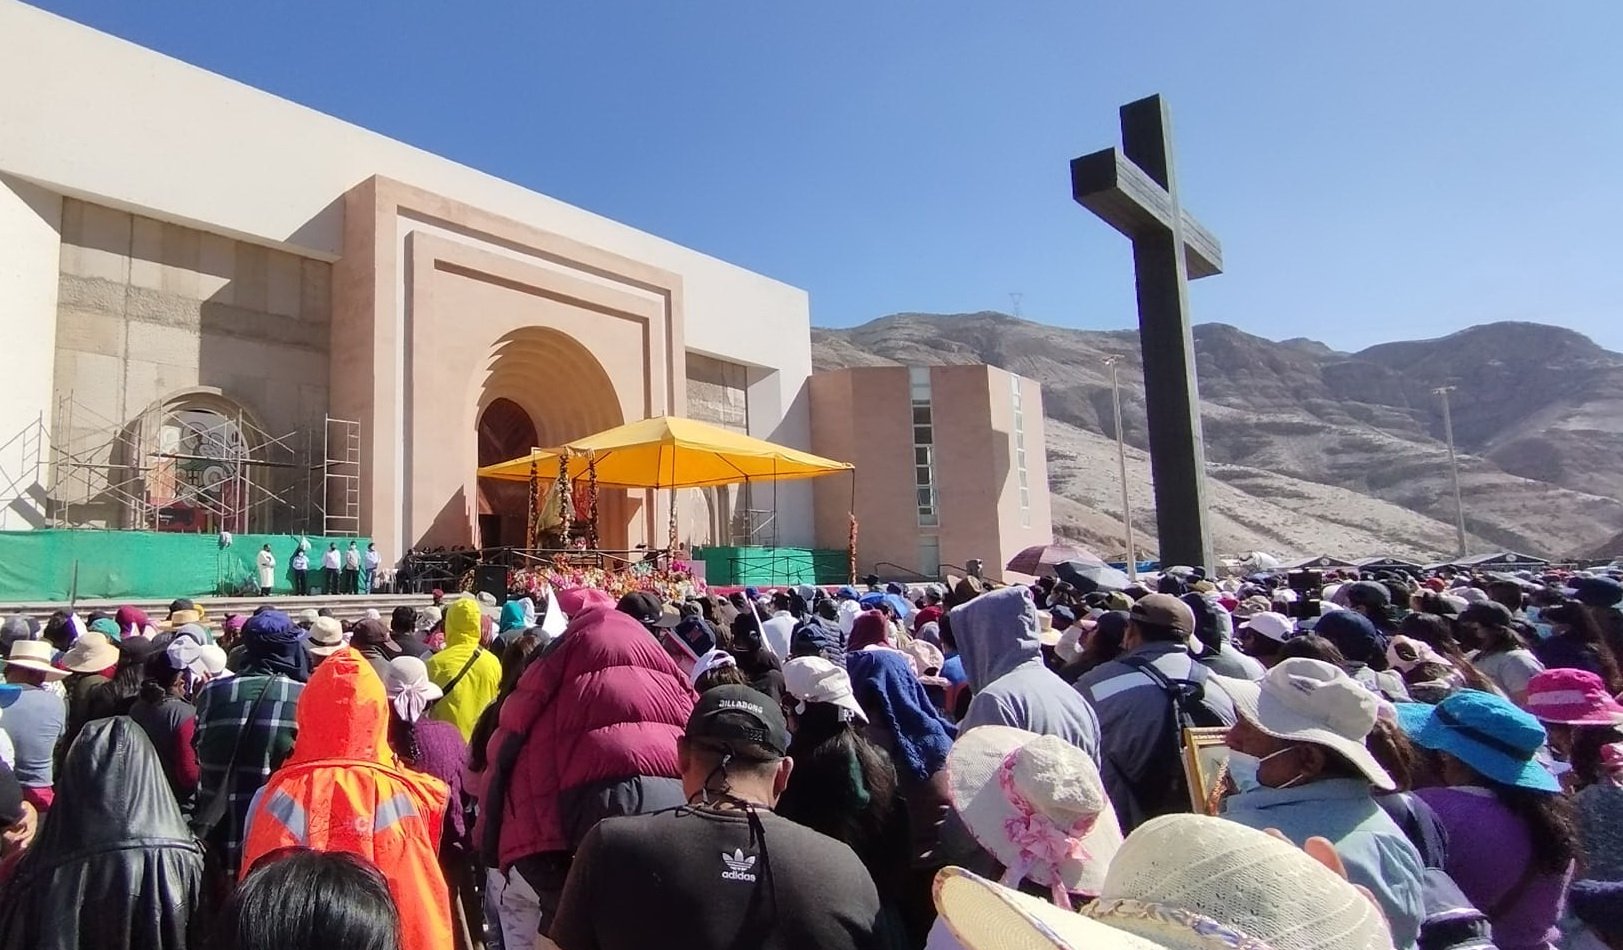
point(114, 865)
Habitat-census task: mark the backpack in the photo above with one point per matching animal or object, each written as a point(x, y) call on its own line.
point(1163, 788)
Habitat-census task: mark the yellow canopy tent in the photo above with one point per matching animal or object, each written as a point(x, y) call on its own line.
point(670, 452)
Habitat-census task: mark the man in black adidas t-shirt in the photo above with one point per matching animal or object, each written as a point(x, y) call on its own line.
point(723, 872)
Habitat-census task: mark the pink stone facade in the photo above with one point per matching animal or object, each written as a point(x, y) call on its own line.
point(970, 485)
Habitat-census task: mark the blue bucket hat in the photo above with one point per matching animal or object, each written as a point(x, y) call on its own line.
point(1487, 733)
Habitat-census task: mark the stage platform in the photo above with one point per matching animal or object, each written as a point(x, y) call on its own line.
point(344, 608)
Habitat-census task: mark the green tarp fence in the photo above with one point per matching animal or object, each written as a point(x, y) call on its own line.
point(37, 566)
point(765, 567)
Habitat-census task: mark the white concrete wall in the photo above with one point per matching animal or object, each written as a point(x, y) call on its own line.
point(30, 248)
point(120, 125)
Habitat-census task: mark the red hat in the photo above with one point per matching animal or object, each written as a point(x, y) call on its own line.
point(1572, 698)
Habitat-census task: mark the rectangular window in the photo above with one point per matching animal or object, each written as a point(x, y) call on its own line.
point(918, 379)
point(1020, 451)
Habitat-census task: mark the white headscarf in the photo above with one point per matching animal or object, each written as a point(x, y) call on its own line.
point(410, 691)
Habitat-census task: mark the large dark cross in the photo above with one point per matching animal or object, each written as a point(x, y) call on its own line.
point(1135, 191)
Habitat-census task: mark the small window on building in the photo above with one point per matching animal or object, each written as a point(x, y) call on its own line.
point(1021, 475)
point(918, 378)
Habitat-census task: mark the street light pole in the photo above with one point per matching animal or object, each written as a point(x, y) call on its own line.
point(1454, 468)
point(1121, 461)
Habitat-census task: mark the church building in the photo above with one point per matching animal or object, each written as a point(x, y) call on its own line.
point(224, 310)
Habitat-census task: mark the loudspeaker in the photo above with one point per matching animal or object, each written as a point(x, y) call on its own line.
point(491, 579)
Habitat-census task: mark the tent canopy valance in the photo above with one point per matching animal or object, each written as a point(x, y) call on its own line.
point(668, 452)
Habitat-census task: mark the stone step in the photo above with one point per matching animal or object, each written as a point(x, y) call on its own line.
point(343, 607)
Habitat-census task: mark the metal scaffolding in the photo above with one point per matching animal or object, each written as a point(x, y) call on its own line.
point(340, 467)
point(190, 465)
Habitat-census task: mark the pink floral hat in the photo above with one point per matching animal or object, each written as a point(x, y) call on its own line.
point(1038, 805)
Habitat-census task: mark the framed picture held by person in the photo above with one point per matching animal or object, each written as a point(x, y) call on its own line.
point(1205, 767)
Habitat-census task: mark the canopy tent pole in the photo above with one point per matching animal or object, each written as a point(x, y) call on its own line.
point(535, 500)
point(593, 531)
point(851, 540)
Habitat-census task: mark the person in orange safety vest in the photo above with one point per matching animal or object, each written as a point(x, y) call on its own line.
point(343, 789)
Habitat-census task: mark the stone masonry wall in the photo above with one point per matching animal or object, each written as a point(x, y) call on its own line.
point(149, 310)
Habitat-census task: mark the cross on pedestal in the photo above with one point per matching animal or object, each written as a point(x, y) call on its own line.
point(1135, 191)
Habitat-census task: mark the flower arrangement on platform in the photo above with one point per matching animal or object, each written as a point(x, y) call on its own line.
point(672, 584)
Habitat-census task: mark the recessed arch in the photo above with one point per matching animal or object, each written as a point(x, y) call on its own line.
point(551, 381)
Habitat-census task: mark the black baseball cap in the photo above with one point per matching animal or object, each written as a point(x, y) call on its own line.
point(726, 715)
point(647, 610)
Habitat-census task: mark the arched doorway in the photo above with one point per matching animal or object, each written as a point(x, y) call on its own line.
point(542, 385)
point(505, 431)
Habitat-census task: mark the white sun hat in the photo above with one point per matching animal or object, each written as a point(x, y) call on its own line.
point(812, 679)
point(984, 915)
point(1305, 700)
point(1038, 805)
point(1248, 880)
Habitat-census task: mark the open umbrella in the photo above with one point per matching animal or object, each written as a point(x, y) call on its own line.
point(1089, 576)
point(1041, 560)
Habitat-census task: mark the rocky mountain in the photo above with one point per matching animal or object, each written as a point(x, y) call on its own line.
point(1311, 450)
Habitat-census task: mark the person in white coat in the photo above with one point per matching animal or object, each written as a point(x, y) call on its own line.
point(267, 571)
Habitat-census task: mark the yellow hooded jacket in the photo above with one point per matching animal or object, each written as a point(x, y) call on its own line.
point(464, 702)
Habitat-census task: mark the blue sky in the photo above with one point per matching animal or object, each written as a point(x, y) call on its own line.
point(1376, 170)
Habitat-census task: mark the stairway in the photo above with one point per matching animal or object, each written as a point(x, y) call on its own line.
point(215, 608)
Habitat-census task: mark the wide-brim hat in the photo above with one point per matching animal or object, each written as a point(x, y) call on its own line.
point(91, 653)
point(1253, 882)
point(997, 775)
point(180, 618)
point(1266, 711)
point(35, 655)
point(326, 637)
point(984, 915)
point(1569, 697)
point(1480, 730)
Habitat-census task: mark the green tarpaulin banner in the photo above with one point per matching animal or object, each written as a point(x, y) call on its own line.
point(51, 565)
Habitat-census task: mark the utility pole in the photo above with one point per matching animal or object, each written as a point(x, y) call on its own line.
point(1121, 461)
point(1014, 299)
point(1454, 468)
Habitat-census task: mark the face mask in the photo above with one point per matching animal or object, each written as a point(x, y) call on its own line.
point(1243, 769)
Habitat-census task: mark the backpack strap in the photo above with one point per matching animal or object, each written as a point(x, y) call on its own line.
point(1181, 691)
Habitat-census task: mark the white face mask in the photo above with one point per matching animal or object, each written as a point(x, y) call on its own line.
point(1243, 769)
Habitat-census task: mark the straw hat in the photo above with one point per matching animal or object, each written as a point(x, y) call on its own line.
point(983, 915)
point(91, 653)
point(326, 637)
point(1037, 804)
point(1247, 879)
point(35, 655)
point(181, 618)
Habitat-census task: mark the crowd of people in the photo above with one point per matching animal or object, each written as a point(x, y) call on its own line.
point(1408, 763)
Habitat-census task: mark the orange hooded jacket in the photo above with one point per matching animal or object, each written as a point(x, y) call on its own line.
point(343, 789)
